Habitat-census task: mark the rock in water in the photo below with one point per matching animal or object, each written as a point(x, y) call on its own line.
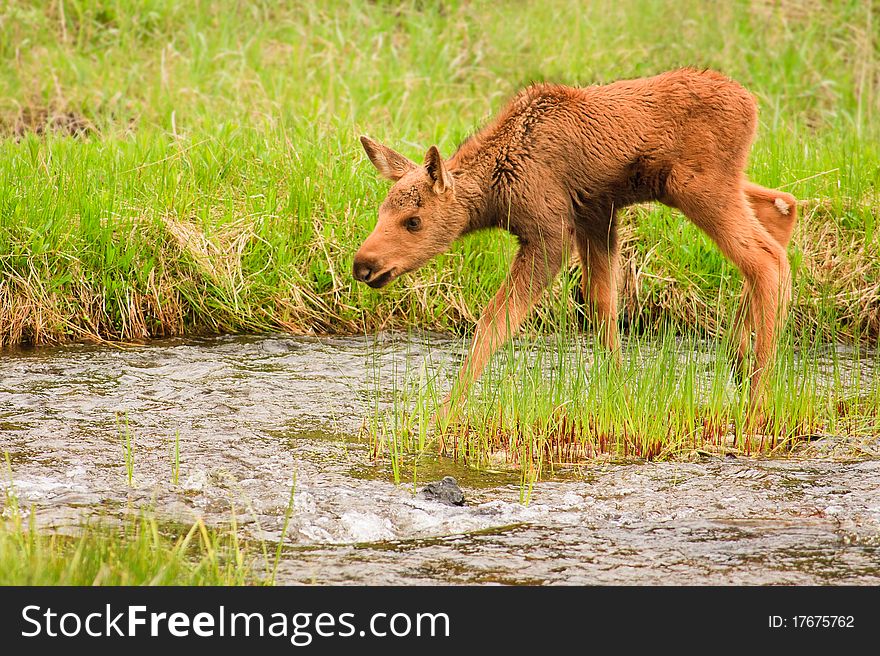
point(445, 491)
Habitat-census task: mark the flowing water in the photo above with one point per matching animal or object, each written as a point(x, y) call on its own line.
point(251, 413)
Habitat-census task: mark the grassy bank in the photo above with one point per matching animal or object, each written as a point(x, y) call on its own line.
point(172, 167)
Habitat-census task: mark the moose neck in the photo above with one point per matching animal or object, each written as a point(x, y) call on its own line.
point(472, 184)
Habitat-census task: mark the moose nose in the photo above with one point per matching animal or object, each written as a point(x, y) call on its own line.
point(363, 270)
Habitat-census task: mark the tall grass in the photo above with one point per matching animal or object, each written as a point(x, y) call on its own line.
point(671, 398)
point(175, 167)
point(546, 406)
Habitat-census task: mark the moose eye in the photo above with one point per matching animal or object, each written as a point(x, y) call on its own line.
point(413, 224)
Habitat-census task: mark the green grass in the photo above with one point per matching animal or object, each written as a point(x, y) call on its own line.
point(219, 185)
point(175, 459)
point(545, 407)
point(137, 549)
point(140, 551)
point(128, 447)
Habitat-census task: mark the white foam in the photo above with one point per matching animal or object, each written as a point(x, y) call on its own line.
point(367, 527)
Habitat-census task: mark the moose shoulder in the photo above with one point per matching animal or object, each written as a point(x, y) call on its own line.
point(557, 164)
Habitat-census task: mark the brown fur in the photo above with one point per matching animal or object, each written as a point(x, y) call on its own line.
point(558, 163)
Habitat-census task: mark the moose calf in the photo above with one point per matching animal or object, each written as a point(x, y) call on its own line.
point(557, 164)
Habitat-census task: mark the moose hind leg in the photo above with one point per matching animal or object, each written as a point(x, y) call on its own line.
point(777, 212)
point(725, 215)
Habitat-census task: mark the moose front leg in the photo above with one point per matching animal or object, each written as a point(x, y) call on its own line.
point(532, 271)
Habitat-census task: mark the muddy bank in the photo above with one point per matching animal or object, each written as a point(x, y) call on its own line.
point(254, 413)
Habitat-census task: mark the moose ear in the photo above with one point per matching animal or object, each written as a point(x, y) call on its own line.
point(437, 171)
point(389, 163)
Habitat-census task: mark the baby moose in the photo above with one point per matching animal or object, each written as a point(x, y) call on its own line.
point(557, 164)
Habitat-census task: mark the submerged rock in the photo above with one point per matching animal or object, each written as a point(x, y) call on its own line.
point(445, 491)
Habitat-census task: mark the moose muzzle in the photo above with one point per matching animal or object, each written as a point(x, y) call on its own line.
point(371, 271)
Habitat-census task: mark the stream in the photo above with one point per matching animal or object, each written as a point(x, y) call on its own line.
point(251, 413)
